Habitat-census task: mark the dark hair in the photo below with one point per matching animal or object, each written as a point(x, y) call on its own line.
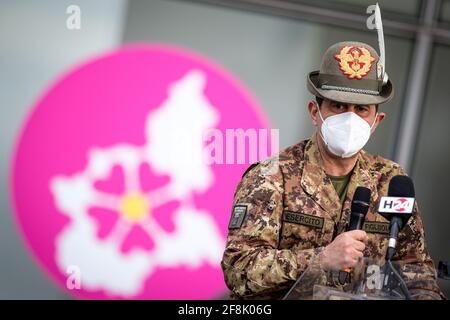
point(319, 101)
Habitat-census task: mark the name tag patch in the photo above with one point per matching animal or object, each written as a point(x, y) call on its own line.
point(376, 227)
point(303, 219)
point(237, 216)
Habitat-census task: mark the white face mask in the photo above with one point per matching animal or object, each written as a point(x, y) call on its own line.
point(345, 134)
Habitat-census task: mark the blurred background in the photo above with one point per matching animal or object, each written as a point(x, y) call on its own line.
point(270, 46)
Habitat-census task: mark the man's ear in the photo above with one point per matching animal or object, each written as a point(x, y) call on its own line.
point(313, 109)
point(380, 117)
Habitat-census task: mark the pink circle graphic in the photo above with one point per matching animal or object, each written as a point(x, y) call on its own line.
point(107, 186)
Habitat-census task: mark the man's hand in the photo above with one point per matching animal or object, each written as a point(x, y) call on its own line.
point(344, 251)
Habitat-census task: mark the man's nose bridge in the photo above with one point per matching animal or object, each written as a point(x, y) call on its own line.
point(351, 108)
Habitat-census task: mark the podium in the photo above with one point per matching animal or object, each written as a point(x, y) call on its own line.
point(369, 280)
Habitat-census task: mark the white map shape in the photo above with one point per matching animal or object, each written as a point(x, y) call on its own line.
point(174, 147)
point(176, 130)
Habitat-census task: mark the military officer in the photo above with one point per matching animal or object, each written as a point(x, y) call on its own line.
point(283, 218)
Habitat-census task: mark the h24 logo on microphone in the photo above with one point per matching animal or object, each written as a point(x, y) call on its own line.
point(396, 205)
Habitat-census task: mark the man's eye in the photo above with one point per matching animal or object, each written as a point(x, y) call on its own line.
point(363, 109)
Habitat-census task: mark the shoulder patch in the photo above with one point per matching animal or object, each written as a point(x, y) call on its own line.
point(237, 216)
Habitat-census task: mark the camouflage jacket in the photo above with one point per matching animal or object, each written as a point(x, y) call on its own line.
point(283, 218)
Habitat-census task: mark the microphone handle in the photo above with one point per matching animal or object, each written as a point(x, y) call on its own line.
point(356, 223)
point(396, 225)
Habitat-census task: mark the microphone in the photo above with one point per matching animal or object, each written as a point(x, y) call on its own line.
point(360, 206)
point(397, 207)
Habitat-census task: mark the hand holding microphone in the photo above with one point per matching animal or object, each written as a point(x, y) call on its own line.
point(344, 251)
point(348, 247)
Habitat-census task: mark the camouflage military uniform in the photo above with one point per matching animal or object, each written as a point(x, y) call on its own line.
point(290, 214)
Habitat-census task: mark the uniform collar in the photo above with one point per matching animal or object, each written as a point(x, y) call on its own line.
point(316, 183)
